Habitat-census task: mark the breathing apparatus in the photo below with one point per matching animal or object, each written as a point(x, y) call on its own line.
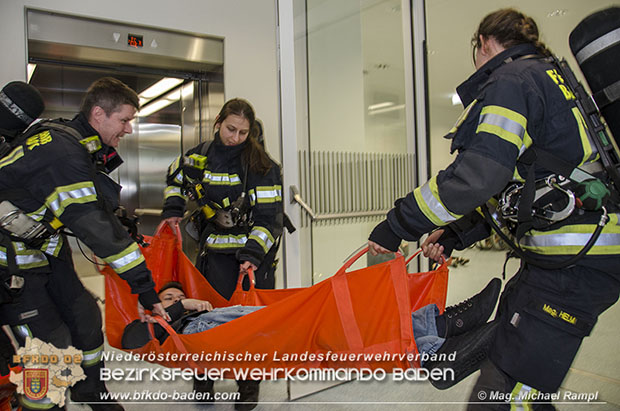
point(236, 215)
point(538, 205)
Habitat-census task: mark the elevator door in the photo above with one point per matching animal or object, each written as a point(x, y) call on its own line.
point(167, 124)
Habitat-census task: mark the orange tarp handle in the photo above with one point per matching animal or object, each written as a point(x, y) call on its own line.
point(175, 338)
point(342, 295)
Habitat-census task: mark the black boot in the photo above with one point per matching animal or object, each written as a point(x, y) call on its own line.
point(470, 351)
point(472, 312)
point(204, 389)
point(248, 398)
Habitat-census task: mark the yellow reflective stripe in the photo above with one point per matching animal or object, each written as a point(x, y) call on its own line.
point(225, 202)
point(570, 239)
point(174, 166)
point(504, 123)
point(24, 258)
point(522, 391)
point(175, 169)
point(462, 117)
point(226, 241)
point(127, 259)
point(517, 177)
point(427, 198)
point(92, 357)
point(262, 236)
point(38, 214)
point(265, 194)
point(221, 179)
point(23, 330)
point(52, 245)
point(173, 191)
point(12, 157)
point(588, 152)
point(64, 196)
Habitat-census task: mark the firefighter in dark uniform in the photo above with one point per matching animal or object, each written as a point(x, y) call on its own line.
point(56, 174)
point(239, 221)
point(516, 100)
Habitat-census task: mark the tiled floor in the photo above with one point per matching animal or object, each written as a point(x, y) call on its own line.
point(596, 369)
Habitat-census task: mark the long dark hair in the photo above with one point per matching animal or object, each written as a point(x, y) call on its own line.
point(509, 27)
point(254, 155)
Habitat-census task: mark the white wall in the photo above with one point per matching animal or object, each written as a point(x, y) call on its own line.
point(248, 29)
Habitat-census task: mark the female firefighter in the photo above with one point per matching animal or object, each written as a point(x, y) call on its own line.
point(517, 103)
point(238, 191)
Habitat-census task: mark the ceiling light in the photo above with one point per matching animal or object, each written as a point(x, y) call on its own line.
point(159, 88)
point(386, 109)
point(456, 100)
point(380, 105)
point(160, 103)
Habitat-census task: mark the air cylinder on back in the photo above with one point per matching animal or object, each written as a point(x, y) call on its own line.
point(595, 43)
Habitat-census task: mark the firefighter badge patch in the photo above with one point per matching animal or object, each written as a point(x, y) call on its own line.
point(36, 383)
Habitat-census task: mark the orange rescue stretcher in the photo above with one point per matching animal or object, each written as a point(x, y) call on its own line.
point(359, 319)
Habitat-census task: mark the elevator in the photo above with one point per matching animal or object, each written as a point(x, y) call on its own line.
point(178, 76)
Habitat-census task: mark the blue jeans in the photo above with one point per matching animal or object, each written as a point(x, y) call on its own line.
point(217, 317)
point(424, 326)
point(425, 329)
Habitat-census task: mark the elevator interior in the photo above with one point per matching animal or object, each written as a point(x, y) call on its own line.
point(178, 76)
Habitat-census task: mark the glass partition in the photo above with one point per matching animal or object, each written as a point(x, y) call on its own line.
point(353, 149)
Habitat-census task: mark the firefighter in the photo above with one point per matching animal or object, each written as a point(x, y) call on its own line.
point(515, 103)
point(56, 175)
point(239, 219)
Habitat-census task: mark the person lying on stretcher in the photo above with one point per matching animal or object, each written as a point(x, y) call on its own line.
point(462, 328)
point(189, 316)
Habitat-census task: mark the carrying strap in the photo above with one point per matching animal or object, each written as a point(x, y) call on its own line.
point(175, 339)
point(608, 95)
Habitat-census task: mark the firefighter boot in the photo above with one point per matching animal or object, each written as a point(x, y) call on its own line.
point(472, 312)
point(461, 355)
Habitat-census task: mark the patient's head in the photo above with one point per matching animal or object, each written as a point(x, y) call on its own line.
point(171, 293)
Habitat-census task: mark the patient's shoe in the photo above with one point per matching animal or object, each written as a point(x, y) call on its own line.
point(470, 350)
point(472, 312)
point(248, 395)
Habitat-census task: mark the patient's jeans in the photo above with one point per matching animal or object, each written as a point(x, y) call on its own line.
point(425, 329)
point(217, 317)
point(424, 326)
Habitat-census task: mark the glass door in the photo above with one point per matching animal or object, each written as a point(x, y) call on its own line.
point(355, 151)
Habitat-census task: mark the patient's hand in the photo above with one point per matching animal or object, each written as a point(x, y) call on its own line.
point(196, 305)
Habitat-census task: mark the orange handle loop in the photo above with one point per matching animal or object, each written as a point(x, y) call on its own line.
point(356, 257)
point(443, 260)
point(250, 274)
point(175, 338)
point(164, 226)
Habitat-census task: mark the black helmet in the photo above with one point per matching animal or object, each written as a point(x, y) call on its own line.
point(20, 105)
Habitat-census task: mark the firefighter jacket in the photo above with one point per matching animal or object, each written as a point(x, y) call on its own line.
point(224, 178)
point(59, 178)
point(516, 100)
